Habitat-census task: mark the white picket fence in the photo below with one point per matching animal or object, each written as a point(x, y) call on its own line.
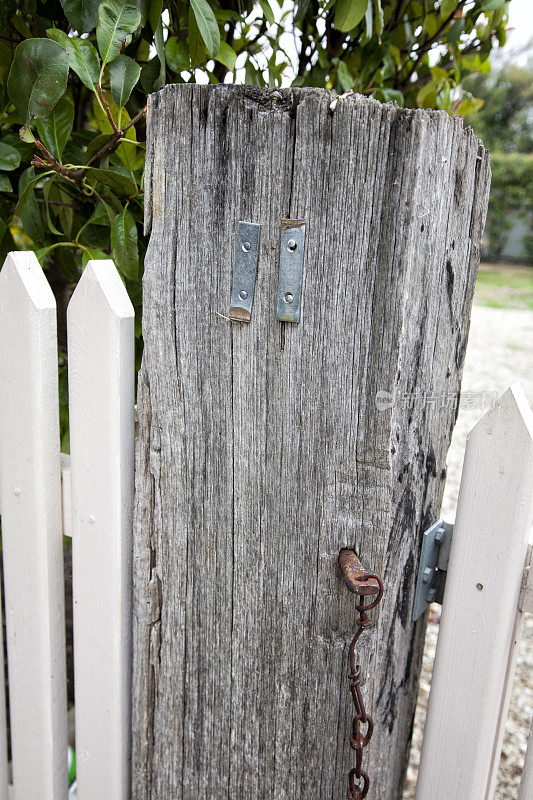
point(90, 496)
point(97, 492)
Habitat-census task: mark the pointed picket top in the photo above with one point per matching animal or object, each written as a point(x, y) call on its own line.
point(22, 275)
point(101, 367)
point(32, 546)
point(475, 660)
point(99, 282)
point(511, 414)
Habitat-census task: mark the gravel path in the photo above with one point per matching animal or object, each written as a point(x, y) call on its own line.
point(500, 351)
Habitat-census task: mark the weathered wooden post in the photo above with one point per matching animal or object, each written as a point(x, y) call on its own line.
point(266, 447)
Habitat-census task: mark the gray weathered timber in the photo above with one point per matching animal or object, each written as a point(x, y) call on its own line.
point(265, 448)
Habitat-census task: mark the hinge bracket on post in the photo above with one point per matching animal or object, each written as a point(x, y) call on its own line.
point(244, 271)
point(434, 555)
point(291, 270)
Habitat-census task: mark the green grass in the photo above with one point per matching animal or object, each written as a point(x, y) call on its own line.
point(505, 286)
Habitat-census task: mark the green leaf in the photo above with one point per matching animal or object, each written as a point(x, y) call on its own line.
point(493, 5)
point(159, 42)
point(38, 77)
point(124, 73)
point(26, 135)
point(349, 13)
point(9, 157)
point(195, 42)
point(124, 244)
point(54, 130)
point(177, 55)
point(46, 193)
point(27, 183)
point(343, 74)
point(95, 145)
point(252, 76)
point(379, 18)
point(227, 56)
point(5, 183)
point(28, 211)
point(59, 193)
point(301, 10)
point(455, 31)
point(154, 14)
point(117, 20)
point(267, 11)
point(468, 106)
point(475, 63)
point(150, 74)
point(427, 95)
point(369, 24)
point(447, 7)
point(207, 25)
point(82, 14)
point(103, 214)
point(83, 56)
point(431, 25)
point(115, 180)
point(89, 253)
point(386, 95)
point(438, 73)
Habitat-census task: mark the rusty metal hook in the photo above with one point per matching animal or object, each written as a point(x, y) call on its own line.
point(358, 580)
point(364, 584)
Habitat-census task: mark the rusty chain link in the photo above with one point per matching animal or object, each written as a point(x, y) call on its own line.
point(364, 584)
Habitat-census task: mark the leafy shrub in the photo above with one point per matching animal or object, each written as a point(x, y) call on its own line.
point(75, 74)
point(511, 197)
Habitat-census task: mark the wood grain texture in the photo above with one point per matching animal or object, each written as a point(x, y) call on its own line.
point(265, 448)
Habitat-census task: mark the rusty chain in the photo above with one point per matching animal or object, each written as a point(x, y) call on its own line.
point(364, 584)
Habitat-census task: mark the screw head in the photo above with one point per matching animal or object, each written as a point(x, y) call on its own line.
point(246, 247)
point(288, 297)
point(427, 575)
point(291, 245)
point(243, 294)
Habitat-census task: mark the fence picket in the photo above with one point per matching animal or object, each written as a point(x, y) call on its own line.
point(101, 386)
point(4, 787)
point(31, 529)
point(476, 649)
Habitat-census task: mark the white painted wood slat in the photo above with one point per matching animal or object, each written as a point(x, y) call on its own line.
point(4, 787)
point(101, 397)
point(31, 529)
point(480, 624)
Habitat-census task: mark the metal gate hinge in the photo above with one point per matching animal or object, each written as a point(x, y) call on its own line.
point(291, 270)
point(432, 570)
point(245, 268)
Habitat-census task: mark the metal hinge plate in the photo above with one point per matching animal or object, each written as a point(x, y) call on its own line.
point(434, 556)
point(245, 268)
point(291, 270)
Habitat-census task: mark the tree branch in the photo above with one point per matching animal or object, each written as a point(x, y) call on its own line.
point(107, 110)
point(116, 137)
point(49, 161)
